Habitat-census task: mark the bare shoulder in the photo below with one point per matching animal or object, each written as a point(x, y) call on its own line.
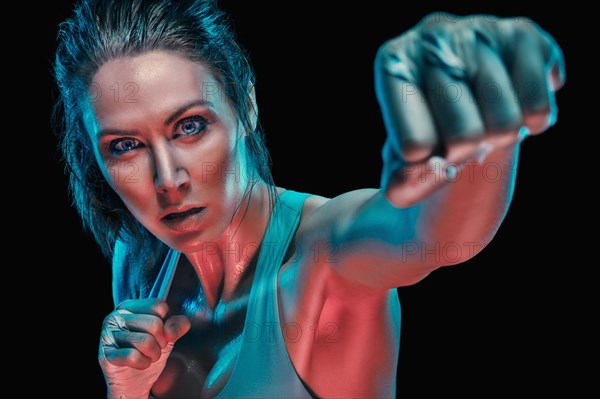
point(313, 203)
point(317, 253)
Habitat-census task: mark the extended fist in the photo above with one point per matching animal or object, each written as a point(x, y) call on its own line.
point(458, 87)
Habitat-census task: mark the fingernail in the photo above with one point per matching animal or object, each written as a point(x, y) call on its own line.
point(483, 151)
point(440, 168)
point(451, 172)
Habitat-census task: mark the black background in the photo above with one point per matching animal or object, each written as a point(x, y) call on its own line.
point(504, 322)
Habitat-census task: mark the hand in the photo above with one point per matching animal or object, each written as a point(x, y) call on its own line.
point(460, 87)
point(136, 340)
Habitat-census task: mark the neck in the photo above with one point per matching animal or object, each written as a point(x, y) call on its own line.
point(221, 267)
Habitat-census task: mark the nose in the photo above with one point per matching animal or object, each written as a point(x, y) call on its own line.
point(170, 176)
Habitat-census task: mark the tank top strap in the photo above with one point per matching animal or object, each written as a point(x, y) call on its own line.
point(163, 281)
point(279, 234)
point(263, 367)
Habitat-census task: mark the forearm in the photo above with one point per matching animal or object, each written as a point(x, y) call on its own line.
point(468, 211)
point(379, 244)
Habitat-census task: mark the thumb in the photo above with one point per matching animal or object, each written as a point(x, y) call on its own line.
point(417, 181)
point(176, 327)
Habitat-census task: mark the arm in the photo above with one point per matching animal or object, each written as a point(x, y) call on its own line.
point(426, 216)
point(372, 242)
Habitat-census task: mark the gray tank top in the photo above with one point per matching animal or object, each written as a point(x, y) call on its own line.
point(263, 368)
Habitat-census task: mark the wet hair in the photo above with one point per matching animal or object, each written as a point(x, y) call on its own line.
point(100, 31)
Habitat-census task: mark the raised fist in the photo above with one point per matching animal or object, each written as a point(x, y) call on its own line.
point(456, 87)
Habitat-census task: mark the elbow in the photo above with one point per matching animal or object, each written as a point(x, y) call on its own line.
point(461, 254)
point(453, 253)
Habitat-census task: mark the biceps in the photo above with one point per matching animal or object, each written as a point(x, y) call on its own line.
point(379, 245)
point(377, 264)
point(364, 238)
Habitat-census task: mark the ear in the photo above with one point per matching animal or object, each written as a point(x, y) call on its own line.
point(252, 107)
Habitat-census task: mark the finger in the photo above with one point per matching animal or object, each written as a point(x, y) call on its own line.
point(404, 108)
point(152, 325)
point(554, 58)
point(151, 306)
point(176, 327)
point(451, 100)
point(499, 109)
point(143, 342)
point(417, 181)
point(127, 357)
point(529, 72)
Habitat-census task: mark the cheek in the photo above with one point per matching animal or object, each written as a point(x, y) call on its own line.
point(131, 181)
point(213, 162)
point(221, 177)
point(227, 170)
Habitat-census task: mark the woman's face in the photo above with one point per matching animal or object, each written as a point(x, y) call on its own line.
point(169, 143)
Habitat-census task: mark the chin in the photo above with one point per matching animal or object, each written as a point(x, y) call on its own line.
point(192, 242)
point(186, 244)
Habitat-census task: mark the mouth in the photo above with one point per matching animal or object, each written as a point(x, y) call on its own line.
point(185, 221)
point(184, 214)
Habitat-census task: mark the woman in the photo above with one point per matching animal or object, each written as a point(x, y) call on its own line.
point(226, 285)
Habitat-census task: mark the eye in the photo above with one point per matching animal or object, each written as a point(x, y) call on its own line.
point(122, 145)
point(190, 126)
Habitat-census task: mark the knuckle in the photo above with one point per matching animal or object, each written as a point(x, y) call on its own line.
point(439, 18)
point(108, 319)
point(148, 346)
point(111, 320)
point(400, 55)
point(393, 47)
point(155, 326)
point(145, 340)
point(384, 51)
point(526, 22)
point(386, 47)
point(525, 25)
point(160, 307)
point(134, 358)
point(484, 18)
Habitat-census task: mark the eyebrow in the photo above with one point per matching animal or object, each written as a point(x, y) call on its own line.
point(167, 122)
point(187, 106)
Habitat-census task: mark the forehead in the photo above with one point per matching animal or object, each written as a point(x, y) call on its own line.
point(155, 83)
